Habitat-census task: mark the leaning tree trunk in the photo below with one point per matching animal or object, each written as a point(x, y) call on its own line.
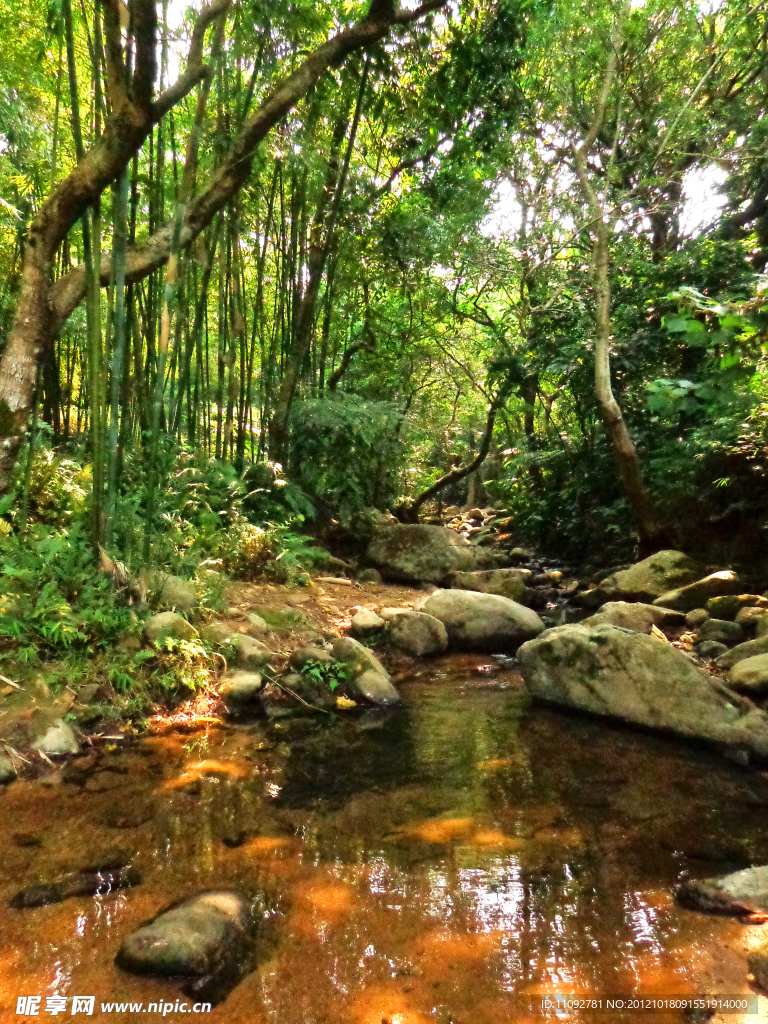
point(626, 454)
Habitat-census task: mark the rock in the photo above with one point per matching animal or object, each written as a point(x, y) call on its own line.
point(304, 655)
point(367, 679)
point(205, 937)
point(172, 592)
point(636, 616)
point(373, 687)
point(757, 962)
point(58, 739)
point(749, 617)
point(240, 689)
point(593, 598)
point(740, 893)
point(357, 658)
point(521, 555)
point(369, 576)
point(761, 627)
point(696, 594)
point(101, 882)
point(750, 675)
point(216, 633)
point(417, 634)
point(721, 631)
point(750, 649)
point(89, 693)
point(697, 617)
point(509, 583)
point(390, 613)
point(729, 605)
point(424, 554)
point(365, 621)
point(7, 770)
point(248, 653)
point(710, 649)
point(160, 627)
point(483, 622)
point(632, 677)
point(257, 623)
point(652, 577)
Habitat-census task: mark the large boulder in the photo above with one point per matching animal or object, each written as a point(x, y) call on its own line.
point(204, 937)
point(424, 554)
point(655, 575)
point(417, 634)
point(482, 622)
point(635, 616)
point(740, 893)
point(685, 599)
point(511, 583)
point(611, 671)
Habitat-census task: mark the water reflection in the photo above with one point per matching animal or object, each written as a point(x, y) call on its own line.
point(442, 864)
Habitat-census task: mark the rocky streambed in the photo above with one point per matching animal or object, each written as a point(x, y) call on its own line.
point(370, 775)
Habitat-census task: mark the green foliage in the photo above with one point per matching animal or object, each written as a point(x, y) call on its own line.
point(54, 596)
point(347, 453)
point(330, 673)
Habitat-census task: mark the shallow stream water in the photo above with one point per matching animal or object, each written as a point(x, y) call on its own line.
point(449, 862)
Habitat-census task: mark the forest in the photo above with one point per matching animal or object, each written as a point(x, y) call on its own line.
point(374, 380)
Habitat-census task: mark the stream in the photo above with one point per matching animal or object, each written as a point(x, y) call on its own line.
point(449, 862)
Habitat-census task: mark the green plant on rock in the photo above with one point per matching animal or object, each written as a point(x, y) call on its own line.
point(330, 673)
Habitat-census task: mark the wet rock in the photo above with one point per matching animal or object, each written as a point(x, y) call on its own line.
point(424, 554)
point(696, 618)
point(509, 583)
point(374, 688)
point(57, 739)
point(367, 679)
point(206, 938)
point(100, 882)
point(301, 657)
point(7, 770)
point(483, 622)
point(721, 631)
point(170, 592)
point(241, 689)
point(652, 577)
point(729, 605)
point(366, 621)
point(750, 649)
point(611, 671)
point(739, 894)
point(750, 675)
point(696, 594)
point(635, 616)
point(710, 649)
point(160, 627)
point(369, 576)
point(417, 634)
